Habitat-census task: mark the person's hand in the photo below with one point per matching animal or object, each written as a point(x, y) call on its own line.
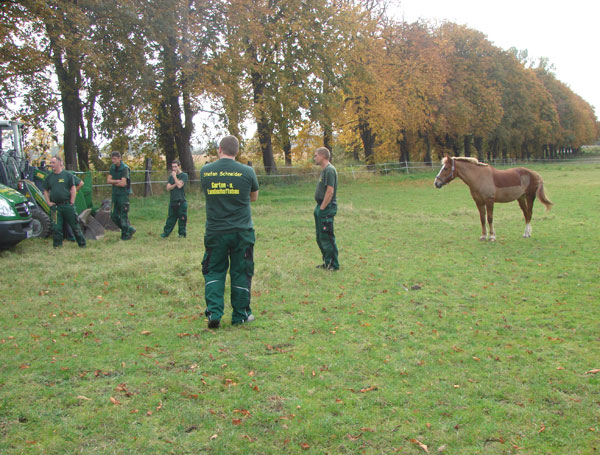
point(174, 174)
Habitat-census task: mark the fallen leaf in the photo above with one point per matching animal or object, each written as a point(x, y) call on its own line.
point(114, 401)
point(236, 421)
point(353, 438)
point(368, 389)
point(542, 428)
point(146, 332)
point(81, 397)
point(420, 444)
point(305, 446)
point(213, 437)
point(594, 371)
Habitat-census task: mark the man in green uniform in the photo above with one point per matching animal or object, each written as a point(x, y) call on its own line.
point(60, 191)
point(177, 204)
point(119, 177)
point(229, 187)
point(326, 208)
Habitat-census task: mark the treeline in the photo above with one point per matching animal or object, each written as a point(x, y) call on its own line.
point(342, 73)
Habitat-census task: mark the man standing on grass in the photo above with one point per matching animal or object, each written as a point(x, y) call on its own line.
point(120, 178)
point(177, 204)
point(326, 208)
point(60, 191)
point(229, 187)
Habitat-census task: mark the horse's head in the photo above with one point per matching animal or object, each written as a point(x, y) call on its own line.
point(446, 174)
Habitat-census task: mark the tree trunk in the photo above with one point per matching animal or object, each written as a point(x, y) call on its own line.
point(368, 139)
point(327, 135)
point(166, 139)
point(263, 127)
point(69, 76)
point(286, 145)
point(467, 144)
point(402, 142)
point(185, 130)
point(427, 157)
point(478, 143)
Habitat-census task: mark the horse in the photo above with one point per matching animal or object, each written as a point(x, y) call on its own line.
point(489, 185)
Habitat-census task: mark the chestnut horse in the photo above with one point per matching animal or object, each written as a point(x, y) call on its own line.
point(489, 185)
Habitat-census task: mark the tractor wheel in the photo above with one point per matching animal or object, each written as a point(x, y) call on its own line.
point(40, 223)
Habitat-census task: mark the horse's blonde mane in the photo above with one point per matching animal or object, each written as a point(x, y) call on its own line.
point(468, 159)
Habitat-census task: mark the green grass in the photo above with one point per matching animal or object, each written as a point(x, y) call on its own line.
point(426, 335)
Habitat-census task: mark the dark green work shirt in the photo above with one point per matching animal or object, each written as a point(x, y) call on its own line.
point(178, 194)
point(117, 173)
point(227, 185)
point(327, 178)
point(59, 186)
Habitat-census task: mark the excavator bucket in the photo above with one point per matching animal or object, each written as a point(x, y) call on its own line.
point(92, 229)
point(103, 216)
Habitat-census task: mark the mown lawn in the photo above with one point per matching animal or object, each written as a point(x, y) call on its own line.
point(426, 340)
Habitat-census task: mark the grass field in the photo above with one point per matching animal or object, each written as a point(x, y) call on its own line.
point(426, 341)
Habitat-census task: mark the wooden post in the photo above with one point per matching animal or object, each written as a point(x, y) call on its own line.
point(147, 178)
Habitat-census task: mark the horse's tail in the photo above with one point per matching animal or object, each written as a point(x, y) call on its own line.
point(541, 195)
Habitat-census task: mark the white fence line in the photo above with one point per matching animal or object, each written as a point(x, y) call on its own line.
point(355, 170)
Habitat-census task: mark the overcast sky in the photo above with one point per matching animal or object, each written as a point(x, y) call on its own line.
point(566, 32)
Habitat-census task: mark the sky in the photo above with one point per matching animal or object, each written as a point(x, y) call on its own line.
point(565, 32)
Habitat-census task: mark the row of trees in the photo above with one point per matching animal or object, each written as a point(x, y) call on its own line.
point(341, 72)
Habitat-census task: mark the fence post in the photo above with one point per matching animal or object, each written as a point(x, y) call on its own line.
point(148, 178)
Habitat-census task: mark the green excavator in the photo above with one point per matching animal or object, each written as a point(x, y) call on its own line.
point(16, 172)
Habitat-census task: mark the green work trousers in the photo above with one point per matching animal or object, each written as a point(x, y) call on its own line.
point(120, 215)
point(177, 214)
point(61, 214)
point(233, 250)
point(326, 235)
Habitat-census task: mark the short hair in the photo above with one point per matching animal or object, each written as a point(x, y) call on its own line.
point(229, 145)
point(177, 162)
point(57, 158)
point(324, 152)
point(115, 155)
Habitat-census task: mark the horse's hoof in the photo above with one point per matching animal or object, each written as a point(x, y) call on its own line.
point(482, 238)
point(492, 238)
point(526, 236)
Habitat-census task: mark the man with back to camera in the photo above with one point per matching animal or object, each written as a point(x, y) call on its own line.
point(177, 202)
point(229, 188)
point(326, 209)
point(119, 177)
point(60, 191)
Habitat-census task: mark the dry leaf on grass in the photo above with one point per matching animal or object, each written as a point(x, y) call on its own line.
point(420, 444)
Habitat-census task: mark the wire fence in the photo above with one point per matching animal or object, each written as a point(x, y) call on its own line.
point(153, 182)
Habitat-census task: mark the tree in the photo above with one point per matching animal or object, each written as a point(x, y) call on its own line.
point(471, 104)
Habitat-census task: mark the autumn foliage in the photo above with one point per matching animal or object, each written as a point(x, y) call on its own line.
point(341, 73)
